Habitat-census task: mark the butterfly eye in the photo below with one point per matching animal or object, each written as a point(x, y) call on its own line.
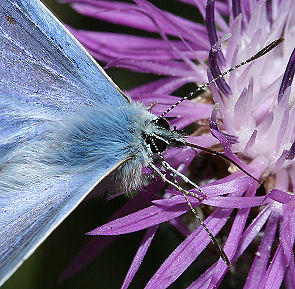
point(162, 123)
point(157, 145)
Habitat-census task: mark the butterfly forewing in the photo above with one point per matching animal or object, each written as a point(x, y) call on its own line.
point(44, 64)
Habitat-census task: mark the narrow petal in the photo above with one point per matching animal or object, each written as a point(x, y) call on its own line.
point(236, 7)
point(234, 202)
point(162, 86)
point(187, 251)
point(169, 68)
point(215, 69)
point(113, 45)
point(276, 270)
point(288, 75)
point(217, 271)
point(139, 256)
point(167, 209)
point(287, 231)
point(253, 229)
point(95, 246)
point(290, 275)
point(279, 196)
point(259, 265)
point(211, 28)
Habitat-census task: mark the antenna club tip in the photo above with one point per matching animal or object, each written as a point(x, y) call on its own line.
point(278, 41)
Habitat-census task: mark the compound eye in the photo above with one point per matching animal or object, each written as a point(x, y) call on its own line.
point(163, 123)
point(157, 145)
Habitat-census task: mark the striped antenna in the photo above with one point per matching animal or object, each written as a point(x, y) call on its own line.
point(263, 51)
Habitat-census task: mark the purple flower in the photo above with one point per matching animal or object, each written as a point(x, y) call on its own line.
point(256, 127)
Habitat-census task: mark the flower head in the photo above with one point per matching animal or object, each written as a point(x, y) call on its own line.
point(254, 122)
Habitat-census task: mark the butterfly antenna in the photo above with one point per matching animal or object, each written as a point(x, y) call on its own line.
point(168, 167)
point(185, 193)
point(184, 178)
point(222, 156)
point(262, 52)
point(217, 245)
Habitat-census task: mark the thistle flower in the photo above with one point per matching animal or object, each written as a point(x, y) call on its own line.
point(254, 121)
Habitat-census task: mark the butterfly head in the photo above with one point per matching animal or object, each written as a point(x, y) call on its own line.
point(158, 136)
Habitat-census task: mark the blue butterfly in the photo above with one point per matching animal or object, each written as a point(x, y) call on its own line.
point(65, 127)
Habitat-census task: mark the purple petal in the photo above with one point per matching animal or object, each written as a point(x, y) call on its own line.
point(236, 7)
point(287, 231)
point(220, 21)
point(215, 70)
point(95, 246)
point(139, 256)
point(259, 265)
point(211, 28)
point(249, 145)
point(113, 46)
point(162, 86)
point(167, 209)
point(169, 68)
point(253, 229)
point(241, 106)
point(283, 125)
point(227, 185)
point(274, 275)
point(142, 219)
point(269, 12)
point(291, 152)
point(219, 269)
point(188, 251)
point(234, 202)
point(246, 8)
point(290, 275)
point(210, 23)
point(279, 196)
point(288, 76)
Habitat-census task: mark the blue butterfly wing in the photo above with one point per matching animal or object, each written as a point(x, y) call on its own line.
point(43, 64)
point(46, 80)
point(27, 221)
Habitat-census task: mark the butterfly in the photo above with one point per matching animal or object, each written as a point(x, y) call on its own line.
point(65, 128)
